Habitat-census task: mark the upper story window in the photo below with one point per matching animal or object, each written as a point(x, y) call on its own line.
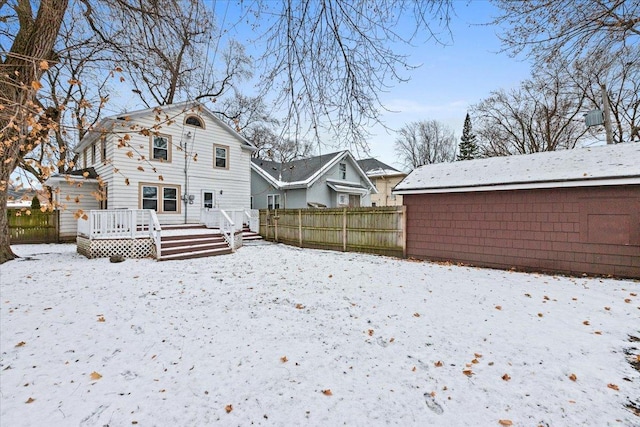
point(343, 171)
point(194, 121)
point(220, 157)
point(161, 148)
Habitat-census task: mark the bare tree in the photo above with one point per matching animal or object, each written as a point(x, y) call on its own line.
point(545, 29)
point(23, 124)
point(327, 61)
point(425, 142)
point(544, 114)
point(273, 146)
point(620, 75)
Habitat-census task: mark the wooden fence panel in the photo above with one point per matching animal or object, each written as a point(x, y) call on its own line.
point(38, 227)
point(379, 230)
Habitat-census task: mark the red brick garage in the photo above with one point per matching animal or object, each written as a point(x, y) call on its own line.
point(575, 211)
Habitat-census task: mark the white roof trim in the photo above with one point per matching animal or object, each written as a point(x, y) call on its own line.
point(523, 186)
point(348, 189)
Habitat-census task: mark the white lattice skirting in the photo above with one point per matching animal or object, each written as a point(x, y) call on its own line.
point(128, 248)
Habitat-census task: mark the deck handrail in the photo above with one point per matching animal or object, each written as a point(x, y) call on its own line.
point(253, 217)
point(156, 233)
point(227, 228)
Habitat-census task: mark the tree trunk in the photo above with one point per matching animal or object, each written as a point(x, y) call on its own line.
point(23, 66)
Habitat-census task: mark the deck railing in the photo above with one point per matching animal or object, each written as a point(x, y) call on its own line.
point(227, 221)
point(119, 224)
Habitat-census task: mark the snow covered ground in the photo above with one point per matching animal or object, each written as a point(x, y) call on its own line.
point(279, 336)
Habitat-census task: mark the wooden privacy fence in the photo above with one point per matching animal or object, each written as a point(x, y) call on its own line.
point(38, 227)
point(379, 230)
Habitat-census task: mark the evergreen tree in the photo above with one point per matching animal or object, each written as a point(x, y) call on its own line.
point(468, 149)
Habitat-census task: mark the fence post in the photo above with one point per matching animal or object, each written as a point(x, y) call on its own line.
point(275, 224)
point(344, 229)
point(300, 226)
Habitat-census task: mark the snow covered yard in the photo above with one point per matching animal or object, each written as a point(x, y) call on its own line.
point(276, 335)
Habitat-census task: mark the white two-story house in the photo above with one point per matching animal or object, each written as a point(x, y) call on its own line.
point(177, 160)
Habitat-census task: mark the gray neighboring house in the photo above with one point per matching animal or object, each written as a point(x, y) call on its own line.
point(330, 180)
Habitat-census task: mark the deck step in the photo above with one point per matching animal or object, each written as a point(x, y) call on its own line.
point(191, 241)
point(196, 254)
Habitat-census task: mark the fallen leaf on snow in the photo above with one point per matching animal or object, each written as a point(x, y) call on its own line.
point(438, 364)
point(327, 392)
point(598, 332)
point(228, 408)
point(477, 355)
point(284, 359)
point(540, 314)
point(506, 377)
point(573, 377)
point(498, 307)
point(95, 376)
point(627, 300)
point(505, 422)
point(416, 314)
point(30, 400)
point(467, 372)
point(101, 319)
point(586, 323)
point(20, 344)
point(607, 308)
point(475, 361)
point(414, 369)
point(299, 306)
point(370, 332)
point(613, 387)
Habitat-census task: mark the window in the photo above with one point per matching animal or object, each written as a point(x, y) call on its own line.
point(85, 158)
point(170, 199)
point(150, 198)
point(194, 121)
point(103, 149)
point(220, 157)
point(343, 171)
point(273, 201)
point(160, 198)
point(207, 199)
point(93, 154)
point(161, 148)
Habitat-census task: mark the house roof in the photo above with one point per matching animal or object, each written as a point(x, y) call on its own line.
point(88, 174)
point(603, 165)
point(375, 168)
point(303, 172)
point(108, 123)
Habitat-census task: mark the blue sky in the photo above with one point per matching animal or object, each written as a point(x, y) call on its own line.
point(450, 78)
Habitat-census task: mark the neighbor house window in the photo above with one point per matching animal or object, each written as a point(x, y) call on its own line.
point(273, 201)
point(221, 157)
point(161, 148)
point(343, 171)
point(194, 121)
point(160, 198)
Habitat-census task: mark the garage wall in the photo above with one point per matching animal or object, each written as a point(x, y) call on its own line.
point(594, 230)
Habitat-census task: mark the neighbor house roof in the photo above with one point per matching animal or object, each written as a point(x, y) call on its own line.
point(304, 172)
point(375, 168)
point(127, 121)
point(87, 174)
point(603, 165)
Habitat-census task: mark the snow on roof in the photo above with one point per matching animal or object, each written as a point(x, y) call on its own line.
point(374, 168)
point(604, 165)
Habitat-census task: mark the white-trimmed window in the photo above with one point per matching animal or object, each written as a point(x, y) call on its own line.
point(93, 154)
point(160, 198)
point(161, 147)
point(195, 121)
point(103, 149)
point(273, 201)
point(221, 156)
point(207, 199)
point(343, 170)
